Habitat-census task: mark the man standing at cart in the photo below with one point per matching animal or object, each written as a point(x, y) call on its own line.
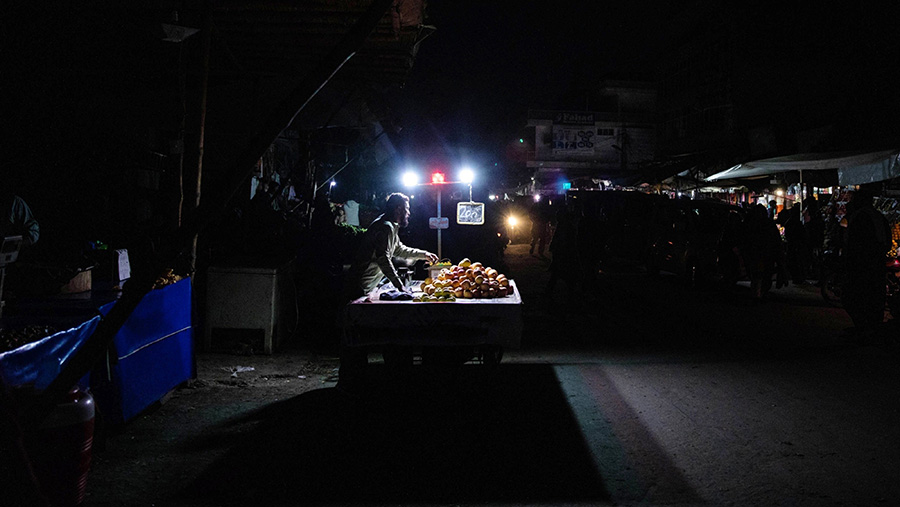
point(380, 244)
point(374, 259)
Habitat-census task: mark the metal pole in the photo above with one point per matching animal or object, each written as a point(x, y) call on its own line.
point(440, 255)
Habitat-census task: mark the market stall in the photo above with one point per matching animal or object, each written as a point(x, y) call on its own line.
point(152, 353)
point(835, 210)
point(371, 321)
point(849, 169)
point(475, 309)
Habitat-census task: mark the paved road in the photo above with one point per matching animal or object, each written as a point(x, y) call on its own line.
point(633, 392)
point(687, 397)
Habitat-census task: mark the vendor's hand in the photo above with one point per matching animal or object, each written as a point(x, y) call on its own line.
point(432, 258)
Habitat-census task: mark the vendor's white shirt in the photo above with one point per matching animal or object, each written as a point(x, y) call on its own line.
point(379, 245)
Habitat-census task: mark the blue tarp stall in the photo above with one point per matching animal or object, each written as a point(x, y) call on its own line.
point(40, 361)
point(154, 353)
point(853, 168)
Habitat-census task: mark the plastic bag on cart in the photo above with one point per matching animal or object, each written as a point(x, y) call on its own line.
point(395, 295)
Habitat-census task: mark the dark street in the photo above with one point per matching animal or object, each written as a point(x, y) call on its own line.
point(634, 392)
point(401, 252)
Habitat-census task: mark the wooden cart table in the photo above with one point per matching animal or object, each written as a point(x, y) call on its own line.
point(491, 325)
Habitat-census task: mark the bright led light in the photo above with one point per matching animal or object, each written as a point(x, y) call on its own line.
point(438, 179)
point(466, 175)
point(333, 183)
point(779, 192)
point(512, 220)
point(537, 197)
point(410, 179)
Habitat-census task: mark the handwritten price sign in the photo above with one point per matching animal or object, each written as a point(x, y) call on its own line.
point(470, 213)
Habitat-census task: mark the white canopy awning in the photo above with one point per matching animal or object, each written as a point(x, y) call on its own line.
point(854, 168)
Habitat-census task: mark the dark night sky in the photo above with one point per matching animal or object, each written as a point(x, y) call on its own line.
point(489, 62)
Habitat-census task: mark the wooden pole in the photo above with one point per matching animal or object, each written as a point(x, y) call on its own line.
point(201, 145)
point(182, 90)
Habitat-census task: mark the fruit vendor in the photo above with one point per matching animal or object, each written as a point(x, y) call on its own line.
point(380, 244)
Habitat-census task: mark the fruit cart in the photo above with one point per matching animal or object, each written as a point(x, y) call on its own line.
point(485, 326)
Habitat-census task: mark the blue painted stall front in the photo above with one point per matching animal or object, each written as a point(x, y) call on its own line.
point(154, 349)
point(154, 353)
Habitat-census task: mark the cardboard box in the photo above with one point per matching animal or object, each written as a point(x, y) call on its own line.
point(81, 282)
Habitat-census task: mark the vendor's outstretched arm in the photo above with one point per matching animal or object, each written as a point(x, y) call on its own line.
point(406, 252)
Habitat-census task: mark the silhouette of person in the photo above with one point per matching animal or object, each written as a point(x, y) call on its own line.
point(540, 228)
point(814, 223)
point(772, 210)
point(761, 250)
point(797, 243)
point(868, 241)
point(565, 263)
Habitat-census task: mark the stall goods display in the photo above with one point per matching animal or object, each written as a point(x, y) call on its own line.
point(895, 239)
point(466, 280)
point(14, 338)
point(167, 278)
point(837, 205)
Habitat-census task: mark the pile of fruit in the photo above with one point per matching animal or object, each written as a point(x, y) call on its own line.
point(466, 280)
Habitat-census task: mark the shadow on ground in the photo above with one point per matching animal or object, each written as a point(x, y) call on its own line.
point(505, 435)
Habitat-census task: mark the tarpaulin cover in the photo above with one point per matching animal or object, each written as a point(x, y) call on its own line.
point(886, 168)
point(39, 362)
point(853, 168)
point(155, 349)
point(373, 321)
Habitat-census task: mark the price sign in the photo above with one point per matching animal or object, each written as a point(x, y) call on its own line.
point(470, 213)
point(439, 222)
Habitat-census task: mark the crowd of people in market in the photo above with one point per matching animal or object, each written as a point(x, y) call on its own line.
point(762, 243)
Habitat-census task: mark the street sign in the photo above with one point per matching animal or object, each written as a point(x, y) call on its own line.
point(470, 213)
point(439, 222)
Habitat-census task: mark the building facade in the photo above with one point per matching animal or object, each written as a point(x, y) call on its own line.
point(579, 149)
